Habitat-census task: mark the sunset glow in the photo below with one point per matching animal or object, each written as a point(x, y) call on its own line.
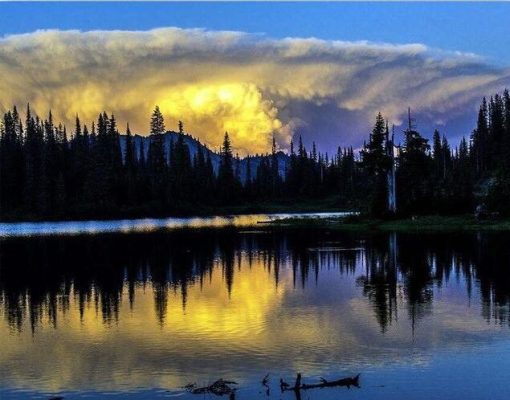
point(252, 86)
point(237, 108)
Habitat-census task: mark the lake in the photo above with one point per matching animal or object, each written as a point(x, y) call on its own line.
point(15, 229)
point(139, 315)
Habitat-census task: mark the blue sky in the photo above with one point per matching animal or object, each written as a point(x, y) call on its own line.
point(481, 28)
point(255, 83)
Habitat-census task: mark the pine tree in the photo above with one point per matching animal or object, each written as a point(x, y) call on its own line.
point(248, 179)
point(156, 159)
point(376, 162)
point(496, 130)
point(130, 168)
point(12, 163)
point(413, 176)
point(51, 159)
point(226, 178)
point(506, 139)
point(275, 174)
point(480, 140)
point(180, 167)
point(157, 125)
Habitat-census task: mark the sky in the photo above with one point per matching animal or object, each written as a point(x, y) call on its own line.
point(320, 70)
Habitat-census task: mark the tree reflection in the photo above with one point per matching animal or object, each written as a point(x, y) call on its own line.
point(39, 276)
point(380, 283)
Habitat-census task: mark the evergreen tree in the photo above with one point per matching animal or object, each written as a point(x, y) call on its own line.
point(181, 171)
point(157, 125)
point(480, 140)
point(275, 174)
point(413, 176)
point(437, 152)
point(130, 163)
point(156, 159)
point(376, 163)
point(227, 185)
point(34, 164)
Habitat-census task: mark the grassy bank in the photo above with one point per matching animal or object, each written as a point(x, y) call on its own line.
point(417, 224)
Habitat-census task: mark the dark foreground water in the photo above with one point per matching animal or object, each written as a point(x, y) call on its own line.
point(141, 315)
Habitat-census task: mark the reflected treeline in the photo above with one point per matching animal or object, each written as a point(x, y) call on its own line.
point(40, 276)
point(405, 269)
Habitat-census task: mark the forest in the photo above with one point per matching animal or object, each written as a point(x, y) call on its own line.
point(95, 171)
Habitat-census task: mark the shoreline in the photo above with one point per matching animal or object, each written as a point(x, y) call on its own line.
point(328, 204)
point(149, 225)
point(430, 223)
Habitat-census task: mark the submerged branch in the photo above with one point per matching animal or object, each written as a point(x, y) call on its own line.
point(349, 381)
point(218, 388)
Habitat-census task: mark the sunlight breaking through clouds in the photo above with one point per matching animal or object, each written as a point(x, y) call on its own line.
point(249, 85)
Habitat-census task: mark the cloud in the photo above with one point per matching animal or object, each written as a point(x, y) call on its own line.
point(249, 85)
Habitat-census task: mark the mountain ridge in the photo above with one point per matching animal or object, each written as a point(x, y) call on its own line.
point(241, 164)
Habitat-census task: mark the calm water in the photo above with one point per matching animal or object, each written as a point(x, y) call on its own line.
point(146, 225)
point(140, 315)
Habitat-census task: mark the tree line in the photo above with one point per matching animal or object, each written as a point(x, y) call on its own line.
point(93, 171)
point(47, 172)
point(437, 178)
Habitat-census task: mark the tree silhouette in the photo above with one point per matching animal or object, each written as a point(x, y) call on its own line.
point(44, 173)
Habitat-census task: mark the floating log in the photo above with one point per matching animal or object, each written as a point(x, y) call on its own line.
point(349, 381)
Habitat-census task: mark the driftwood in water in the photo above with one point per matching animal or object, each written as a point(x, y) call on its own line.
point(219, 388)
point(350, 381)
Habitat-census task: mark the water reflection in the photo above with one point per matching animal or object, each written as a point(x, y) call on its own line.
point(121, 312)
point(146, 225)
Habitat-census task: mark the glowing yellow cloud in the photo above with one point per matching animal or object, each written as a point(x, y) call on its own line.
point(252, 86)
point(237, 108)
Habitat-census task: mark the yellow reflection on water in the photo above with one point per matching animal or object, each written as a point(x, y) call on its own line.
point(150, 342)
point(230, 322)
